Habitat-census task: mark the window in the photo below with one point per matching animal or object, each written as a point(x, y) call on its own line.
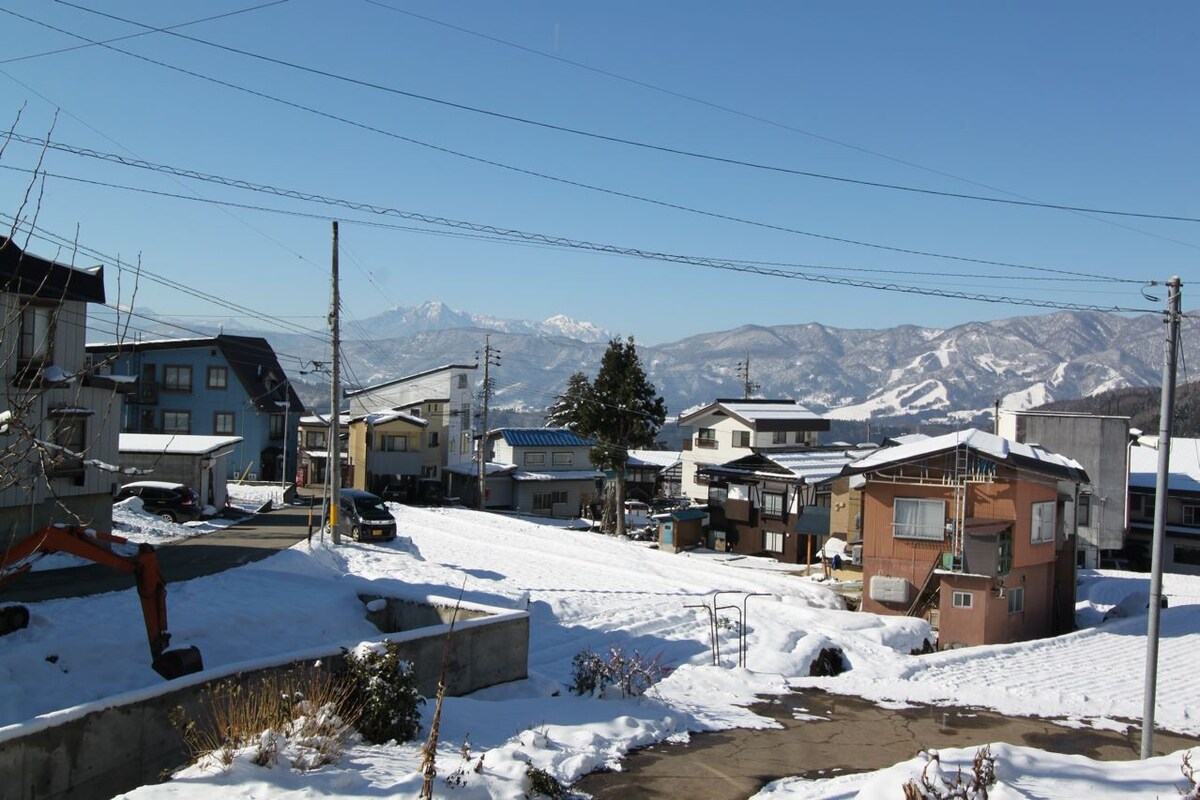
point(275, 425)
point(1043, 522)
point(535, 459)
point(462, 381)
point(779, 437)
point(433, 438)
point(741, 438)
point(223, 422)
point(773, 541)
point(1186, 554)
point(218, 378)
point(1004, 552)
point(1083, 511)
point(1142, 505)
point(149, 383)
point(544, 502)
point(918, 518)
point(70, 434)
point(429, 471)
point(563, 459)
point(1191, 514)
point(315, 440)
point(962, 600)
point(706, 437)
point(391, 443)
point(177, 379)
point(717, 493)
point(772, 504)
point(177, 422)
point(1016, 600)
point(37, 334)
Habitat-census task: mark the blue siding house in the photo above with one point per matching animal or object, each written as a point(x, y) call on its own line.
point(219, 386)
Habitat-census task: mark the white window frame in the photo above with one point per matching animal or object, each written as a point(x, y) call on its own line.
point(562, 458)
point(536, 459)
point(741, 438)
point(393, 443)
point(959, 599)
point(1041, 522)
point(1016, 599)
point(920, 525)
point(773, 541)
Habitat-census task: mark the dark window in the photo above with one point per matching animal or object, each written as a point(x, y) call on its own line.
point(1005, 552)
point(314, 440)
point(779, 437)
point(218, 378)
point(962, 600)
point(70, 436)
point(276, 425)
point(706, 437)
point(535, 459)
point(177, 379)
point(544, 502)
point(717, 492)
point(433, 438)
point(223, 422)
point(1191, 514)
point(37, 334)
point(1083, 512)
point(772, 504)
point(1016, 600)
point(1186, 554)
point(741, 438)
point(148, 382)
point(177, 422)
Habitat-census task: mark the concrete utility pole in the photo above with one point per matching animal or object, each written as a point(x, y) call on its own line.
point(743, 371)
point(335, 406)
point(1173, 316)
point(489, 353)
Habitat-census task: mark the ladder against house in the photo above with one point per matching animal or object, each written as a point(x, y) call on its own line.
point(928, 592)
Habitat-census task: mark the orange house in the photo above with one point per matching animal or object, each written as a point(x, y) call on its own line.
point(974, 533)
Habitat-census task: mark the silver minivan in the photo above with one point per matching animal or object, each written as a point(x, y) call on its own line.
point(365, 517)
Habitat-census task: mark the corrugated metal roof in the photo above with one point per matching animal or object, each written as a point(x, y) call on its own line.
point(544, 437)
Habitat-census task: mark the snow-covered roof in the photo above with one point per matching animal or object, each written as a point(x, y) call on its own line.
point(563, 475)
point(490, 468)
point(810, 465)
point(762, 414)
point(662, 459)
point(342, 454)
point(1184, 464)
point(986, 444)
point(384, 417)
point(319, 419)
point(174, 444)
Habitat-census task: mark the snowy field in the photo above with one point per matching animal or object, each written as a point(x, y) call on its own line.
point(586, 590)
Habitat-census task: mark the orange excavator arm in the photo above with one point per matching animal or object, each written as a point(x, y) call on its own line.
point(151, 588)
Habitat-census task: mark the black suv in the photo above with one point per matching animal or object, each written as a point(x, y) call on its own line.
point(173, 502)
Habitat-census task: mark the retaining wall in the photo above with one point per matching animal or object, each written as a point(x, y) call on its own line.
point(101, 749)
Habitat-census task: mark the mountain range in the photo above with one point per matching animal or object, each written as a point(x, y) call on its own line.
point(922, 375)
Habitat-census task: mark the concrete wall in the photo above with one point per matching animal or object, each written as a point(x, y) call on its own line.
point(120, 743)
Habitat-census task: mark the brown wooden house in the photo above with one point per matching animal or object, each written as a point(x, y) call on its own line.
point(968, 530)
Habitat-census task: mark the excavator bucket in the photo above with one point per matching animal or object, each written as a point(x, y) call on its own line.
point(179, 662)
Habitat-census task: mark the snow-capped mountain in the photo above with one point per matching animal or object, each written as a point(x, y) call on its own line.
point(951, 375)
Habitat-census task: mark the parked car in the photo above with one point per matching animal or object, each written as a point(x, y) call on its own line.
point(364, 516)
point(174, 502)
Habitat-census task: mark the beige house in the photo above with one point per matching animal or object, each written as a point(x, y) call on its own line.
point(385, 451)
point(60, 423)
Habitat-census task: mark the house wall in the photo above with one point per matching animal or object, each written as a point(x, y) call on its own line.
point(912, 559)
point(845, 515)
point(579, 493)
point(37, 499)
point(1101, 446)
point(696, 455)
point(750, 532)
point(203, 403)
point(374, 468)
point(989, 621)
point(455, 383)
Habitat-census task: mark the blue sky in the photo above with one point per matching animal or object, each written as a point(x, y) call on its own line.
point(1082, 104)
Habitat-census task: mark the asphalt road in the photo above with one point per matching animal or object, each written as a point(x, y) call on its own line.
point(252, 540)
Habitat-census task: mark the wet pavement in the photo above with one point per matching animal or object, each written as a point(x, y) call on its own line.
point(826, 734)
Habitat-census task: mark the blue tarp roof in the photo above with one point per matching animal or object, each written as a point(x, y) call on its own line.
point(544, 437)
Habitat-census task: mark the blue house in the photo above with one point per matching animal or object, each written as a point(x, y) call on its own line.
point(219, 386)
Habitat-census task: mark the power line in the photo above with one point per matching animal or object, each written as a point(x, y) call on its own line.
point(712, 263)
point(635, 143)
point(386, 211)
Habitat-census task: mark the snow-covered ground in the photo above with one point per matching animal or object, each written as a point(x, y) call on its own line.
point(586, 590)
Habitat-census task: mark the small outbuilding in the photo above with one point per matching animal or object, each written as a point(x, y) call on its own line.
point(681, 529)
point(200, 462)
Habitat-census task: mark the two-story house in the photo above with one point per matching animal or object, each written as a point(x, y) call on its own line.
point(652, 473)
point(776, 503)
point(57, 421)
point(546, 472)
point(216, 386)
point(385, 452)
point(313, 450)
point(729, 429)
point(972, 531)
point(1181, 543)
point(442, 396)
point(1101, 446)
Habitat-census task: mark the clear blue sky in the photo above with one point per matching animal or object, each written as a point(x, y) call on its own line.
point(1085, 104)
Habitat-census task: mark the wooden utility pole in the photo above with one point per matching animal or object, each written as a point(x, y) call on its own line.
point(1173, 316)
point(335, 404)
point(748, 386)
point(489, 353)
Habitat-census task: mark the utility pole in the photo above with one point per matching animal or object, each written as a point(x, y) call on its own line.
point(1173, 315)
point(489, 353)
point(335, 405)
point(743, 371)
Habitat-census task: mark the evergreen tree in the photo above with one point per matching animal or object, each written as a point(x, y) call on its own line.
point(623, 412)
point(565, 411)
